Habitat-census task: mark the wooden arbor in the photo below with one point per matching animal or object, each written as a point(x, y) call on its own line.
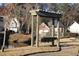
point(41, 13)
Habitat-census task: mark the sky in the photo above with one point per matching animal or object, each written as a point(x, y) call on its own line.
point(0, 4)
point(3, 4)
point(45, 7)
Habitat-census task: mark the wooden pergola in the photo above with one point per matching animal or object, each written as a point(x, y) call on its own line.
point(42, 13)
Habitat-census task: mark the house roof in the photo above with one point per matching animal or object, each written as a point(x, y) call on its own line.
point(43, 26)
point(74, 28)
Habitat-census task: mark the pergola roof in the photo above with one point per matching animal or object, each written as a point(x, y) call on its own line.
point(45, 14)
point(42, 13)
point(48, 14)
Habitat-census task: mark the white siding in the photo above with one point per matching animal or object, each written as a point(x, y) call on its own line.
point(14, 25)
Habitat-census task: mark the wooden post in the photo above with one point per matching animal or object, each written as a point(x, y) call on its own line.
point(37, 32)
point(3, 46)
point(63, 33)
point(58, 35)
point(53, 32)
point(50, 26)
point(32, 32)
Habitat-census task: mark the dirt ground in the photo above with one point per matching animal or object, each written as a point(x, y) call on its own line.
point(69, 47)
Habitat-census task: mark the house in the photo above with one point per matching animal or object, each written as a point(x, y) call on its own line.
point(61, 27)
point(74, 28)
point(43, 29)
point(14, 25)
point(11, 24)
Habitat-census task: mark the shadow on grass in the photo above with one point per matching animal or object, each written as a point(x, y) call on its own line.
point(39, 53)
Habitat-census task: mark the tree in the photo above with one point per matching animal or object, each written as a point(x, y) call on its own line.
point(21, 11)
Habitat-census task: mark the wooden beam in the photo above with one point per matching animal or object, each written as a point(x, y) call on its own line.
point(63, 32)
point(53, 31)
point(37, 31)
point(58, 35)
point(3, 46)
point(32, 32)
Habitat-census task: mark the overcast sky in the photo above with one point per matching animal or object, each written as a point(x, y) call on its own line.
point(0, 4)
